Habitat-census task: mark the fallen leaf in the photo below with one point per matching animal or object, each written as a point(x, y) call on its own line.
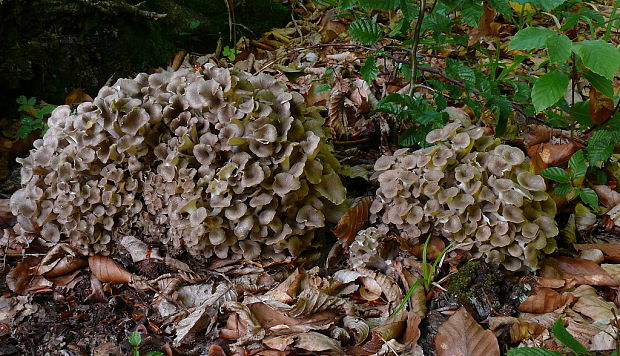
point(61, 259)
point(525, 330)
point(139, 250)
point(611, 250)
point(486, 27)
point(594, 306)
point(313, 341)
point(107, 270)
point(23, 279)
point(460, 335)
point(353, 220)
point(601, 107)
point(77, 96)
point(280, 343)
point(553, 154)
point(412, 332)
point(576, 269)
point(545, 300)
point(368, 348)
point(607, 196)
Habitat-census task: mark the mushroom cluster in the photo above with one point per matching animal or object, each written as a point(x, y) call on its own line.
point(472, 190)
point(209, 162)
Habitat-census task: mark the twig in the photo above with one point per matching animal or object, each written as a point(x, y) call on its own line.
point(414, 47)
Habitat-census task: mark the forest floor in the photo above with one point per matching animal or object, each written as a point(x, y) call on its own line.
point(325, 301)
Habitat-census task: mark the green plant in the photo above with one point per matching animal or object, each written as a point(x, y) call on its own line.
point(230, 53)
point(571, 181)
point(34, 117)
point(135, 339)
point(428, 275)
point(562, 335)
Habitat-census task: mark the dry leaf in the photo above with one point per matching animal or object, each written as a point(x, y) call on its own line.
point(107, 270)
point(608, 196)
point(61, 259)
point(412, 332)
point(545, 300)
point(462, 336)
point(486, 27)
point(369, 348)
point(525, 330)
point(593, 306)
point(22, 279)
point(279, 343)
point(577, 269)
point(611, 250)
point(538, 134)
point(601, 107)
point(553, 283)
point(77, 96)
point(553, 155)
point(353, 220)
point(313, 341)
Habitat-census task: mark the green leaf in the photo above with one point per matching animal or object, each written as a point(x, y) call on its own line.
point(460, 70)
point(522, 92)
point(563, 189)
point(571, 20)
point(589, 197)
point(154, 353)
point(565, 338)
point(531, 38)
point(194, 24)
point(135, 338)
point(599, 56)
point(556, 174)
point(548, 89)
point(369, 70)
point(581, 113)
point(321, 88)
point(390, 5)
point(502, 7)
point(532, 351)
point(501, 108)
point(601, 83)
point(559, 48)
point(32, 101)
point(366, 32)
point(577, 164)
point(24, 131)
point(600, 146)
point(471, 12)
point(22, 100)
point(548, 5)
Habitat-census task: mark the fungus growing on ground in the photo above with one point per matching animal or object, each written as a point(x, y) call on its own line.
point(470, 189)
point(211, 162)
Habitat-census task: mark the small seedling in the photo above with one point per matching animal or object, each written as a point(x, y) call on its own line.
point(230, 53)
point(35, 118)
point(135, 339)
point(428, 275)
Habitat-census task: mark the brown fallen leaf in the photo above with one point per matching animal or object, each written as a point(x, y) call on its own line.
point(107, 270)
point(314, 341)
point(486, 27)
point(353, 221)
point(611, 250)
point(537, 134)
point(216, 350)
point(553, 154)
point(601, 107)
point(579, 270)
point(412, 332)
point(525, 330)
point(545, 300)
point(460, 335)
point(22, 279)
point(608, 196)
point(370, 347)
point(61, 259)
point(77, 96)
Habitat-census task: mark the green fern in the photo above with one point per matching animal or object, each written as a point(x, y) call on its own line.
point(366, 32)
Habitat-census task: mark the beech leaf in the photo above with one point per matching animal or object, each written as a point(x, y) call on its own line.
point(545, 300)
point(462, 336)
point(107, 270)
point(353, 220)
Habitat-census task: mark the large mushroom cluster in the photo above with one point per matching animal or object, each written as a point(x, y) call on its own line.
point(211, 162)
point(471, 189)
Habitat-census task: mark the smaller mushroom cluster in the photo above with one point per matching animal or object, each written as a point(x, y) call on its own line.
point(211, 162)
point(473, 191)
